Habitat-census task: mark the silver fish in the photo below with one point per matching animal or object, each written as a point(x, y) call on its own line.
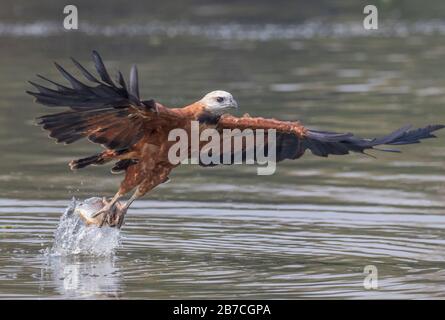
point(88, 207)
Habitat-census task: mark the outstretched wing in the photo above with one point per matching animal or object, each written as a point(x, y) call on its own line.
point(105, 112)
point(289, 136)
point(293, 139)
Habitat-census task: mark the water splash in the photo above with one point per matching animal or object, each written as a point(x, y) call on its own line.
point(90, 277)
point(73, 237)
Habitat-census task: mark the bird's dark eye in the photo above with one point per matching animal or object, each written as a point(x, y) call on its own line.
point(220, 99)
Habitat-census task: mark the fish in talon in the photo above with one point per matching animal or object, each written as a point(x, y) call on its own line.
point(92, 213)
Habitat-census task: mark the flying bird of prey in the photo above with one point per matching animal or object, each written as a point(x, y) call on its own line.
point(134, 132)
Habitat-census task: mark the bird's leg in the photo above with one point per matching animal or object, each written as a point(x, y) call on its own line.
point(123, 210)
point(143, 188)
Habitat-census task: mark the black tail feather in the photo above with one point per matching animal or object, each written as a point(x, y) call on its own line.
point(323, 143)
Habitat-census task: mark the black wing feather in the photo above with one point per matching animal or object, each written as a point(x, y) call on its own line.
point(99, 111)
point(85, 72)
point(325, 143)
point(101, 70)
point(102, 94)
point(134, 86)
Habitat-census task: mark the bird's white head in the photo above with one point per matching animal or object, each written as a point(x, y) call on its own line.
point(219, 102)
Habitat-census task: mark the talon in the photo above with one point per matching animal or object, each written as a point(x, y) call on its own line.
point(107, 215)
point(102, 222)
point(120, 221)
point(113, 215)
point(103, 210)
point(106, 208)
point(120, 217)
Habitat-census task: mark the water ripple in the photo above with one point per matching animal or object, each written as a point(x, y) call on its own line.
point(179, 249)
point(232, 31)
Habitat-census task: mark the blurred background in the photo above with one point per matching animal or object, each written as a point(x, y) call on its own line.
point(306, 231)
